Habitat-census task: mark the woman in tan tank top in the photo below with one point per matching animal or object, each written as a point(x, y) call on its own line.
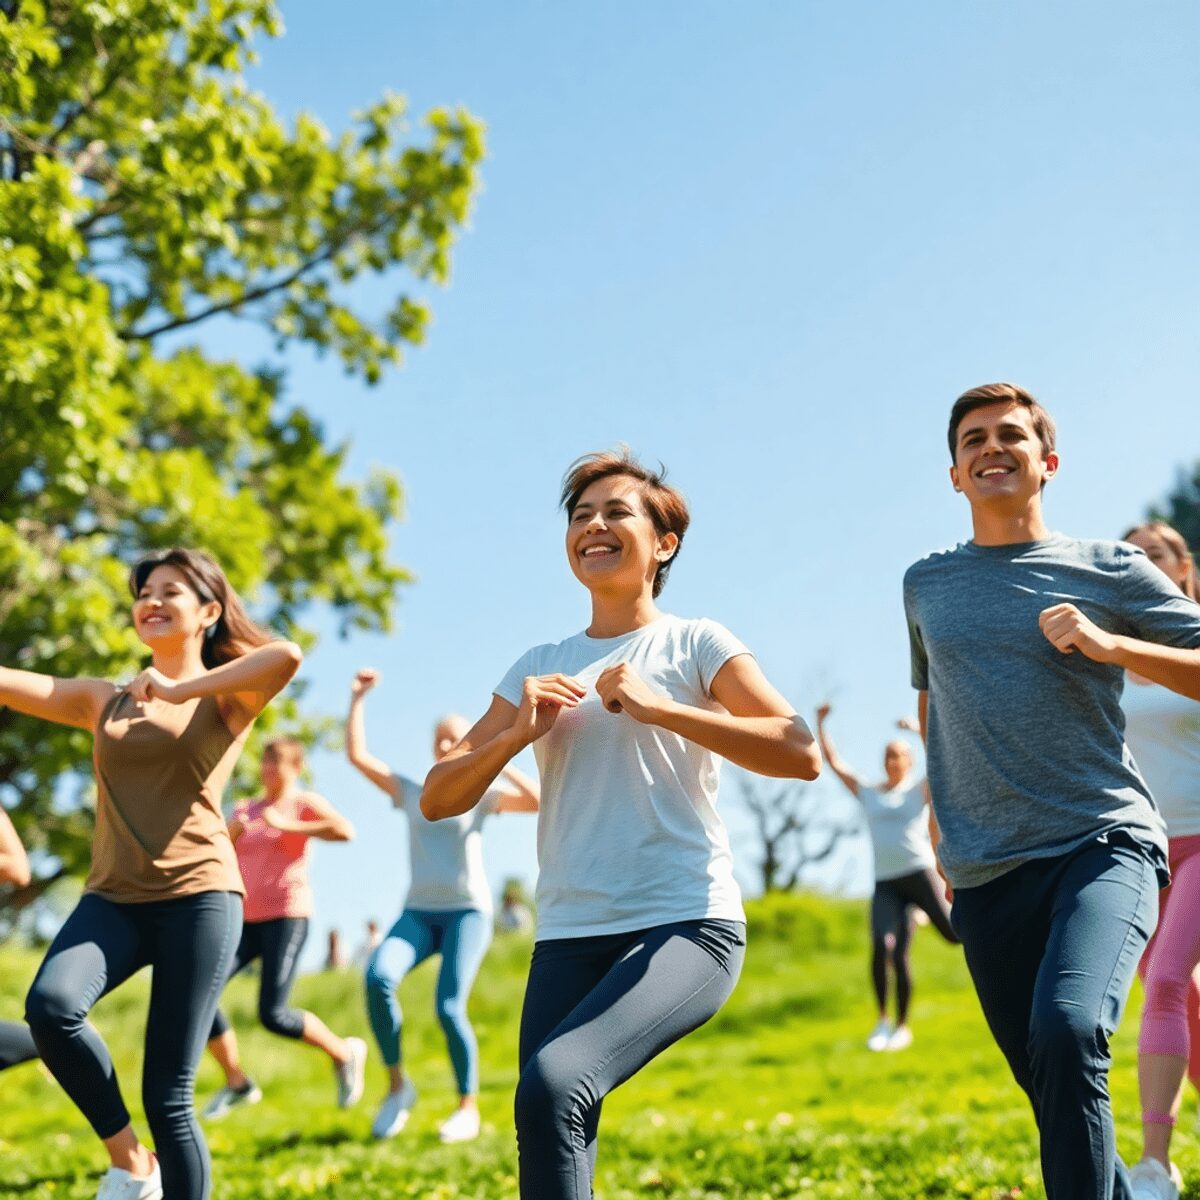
point(164, 888)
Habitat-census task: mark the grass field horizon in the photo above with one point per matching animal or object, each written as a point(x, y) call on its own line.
point(776, 1098)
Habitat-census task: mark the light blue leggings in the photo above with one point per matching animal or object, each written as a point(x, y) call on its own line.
point(461, 937)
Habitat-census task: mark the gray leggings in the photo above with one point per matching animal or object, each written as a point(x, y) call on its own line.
point(597, 1010)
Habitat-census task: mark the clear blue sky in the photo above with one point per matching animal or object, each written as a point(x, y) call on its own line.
point(767, 244)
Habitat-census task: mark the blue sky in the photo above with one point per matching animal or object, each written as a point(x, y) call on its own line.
point(767, 244)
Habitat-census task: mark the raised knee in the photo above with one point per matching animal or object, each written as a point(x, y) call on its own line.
point(1164, 994)
point(52, 1008)
point(277, 1021)
point(451, 1011)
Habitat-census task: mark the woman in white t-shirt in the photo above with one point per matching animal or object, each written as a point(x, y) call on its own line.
point(1162, 730)
point(641, 932)
point(447, 912)
point(906, 879)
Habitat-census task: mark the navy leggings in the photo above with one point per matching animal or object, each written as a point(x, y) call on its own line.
point(188, 943)
point(892, 927)
point(1052, 947)
point(597, 1010)
point(16, 1044)
point(278, 943)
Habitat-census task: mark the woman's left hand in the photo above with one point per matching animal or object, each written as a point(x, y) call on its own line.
point(622, 689)
point(152, 684)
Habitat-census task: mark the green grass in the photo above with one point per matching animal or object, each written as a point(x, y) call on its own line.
point(776, 1097)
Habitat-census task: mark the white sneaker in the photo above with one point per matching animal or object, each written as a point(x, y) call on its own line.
point(393, 1112)
point(228, 1098)
point(879, 1035)
point(1152, 1181)
point(121, 1185)
point(351, 1075)
point(460, 1126)
point(901, 1039)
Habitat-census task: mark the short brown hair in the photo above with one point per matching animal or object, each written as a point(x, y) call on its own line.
point(289, 748)
point(1000, 393)
point(665, 505)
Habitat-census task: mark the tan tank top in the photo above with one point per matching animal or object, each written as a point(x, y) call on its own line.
point(160, 772)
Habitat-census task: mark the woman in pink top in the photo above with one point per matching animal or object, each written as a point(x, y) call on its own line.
point(271, 835)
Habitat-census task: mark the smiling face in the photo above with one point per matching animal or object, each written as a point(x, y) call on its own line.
point(999, 460)
point(280, 766)
point(167, 612)
point(612, 544)
point(897, 762)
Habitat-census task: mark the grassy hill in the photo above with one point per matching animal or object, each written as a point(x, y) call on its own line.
point(777, 1097)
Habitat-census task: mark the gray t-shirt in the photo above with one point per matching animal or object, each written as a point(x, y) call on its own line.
point(1027, 756)
point(447, 855)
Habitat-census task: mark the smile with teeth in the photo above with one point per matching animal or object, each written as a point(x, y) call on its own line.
point(988, 471)
point(597, 550)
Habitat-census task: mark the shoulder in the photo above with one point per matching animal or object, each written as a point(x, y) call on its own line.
point(313, 800)
point(1097, 552)
point(935, 560)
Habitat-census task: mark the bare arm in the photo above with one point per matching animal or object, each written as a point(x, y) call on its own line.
point(839, 767)
point(14, 862)
point(375, 769)
point(244, 686)
point(1176, 669)
point(527, 796)
point(759, 731)
point(76, 702)
point(935, 830)
point(329, 825)
point(458, 782)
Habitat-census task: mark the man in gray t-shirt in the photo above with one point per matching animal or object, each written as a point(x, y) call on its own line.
point(1019, 640)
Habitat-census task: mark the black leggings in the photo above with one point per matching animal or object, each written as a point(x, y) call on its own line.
point(892, 926)
point(597, 1010)
point(278, 943)
point(16, 1044)
point(188, 943)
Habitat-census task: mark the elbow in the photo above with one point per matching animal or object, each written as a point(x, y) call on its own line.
point(808, 764)
point(293, 656)
point(18, 874)
point(429, 806)
point(805, 753)
point(345, 832)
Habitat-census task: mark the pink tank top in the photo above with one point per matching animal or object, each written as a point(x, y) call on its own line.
point(274, 864)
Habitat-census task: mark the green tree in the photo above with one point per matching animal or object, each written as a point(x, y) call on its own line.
point(145, 190)
point(1182, 506)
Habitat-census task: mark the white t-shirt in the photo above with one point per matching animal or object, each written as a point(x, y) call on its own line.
point(446, 856)
point(899, 825)
point(628, 831)
point(1162, 730)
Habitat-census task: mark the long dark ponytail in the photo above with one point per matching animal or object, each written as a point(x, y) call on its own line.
point(234, 633)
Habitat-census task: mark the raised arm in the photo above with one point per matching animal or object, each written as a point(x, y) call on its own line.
point(758, 731)
point(328, 825)
point(457, 783)
point(244, 686)
point(76, 702)
point(839, 767)
point(14, 862)
point(375, 769)
point(527, 795)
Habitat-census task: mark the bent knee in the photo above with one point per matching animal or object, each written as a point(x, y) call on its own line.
point(546, 1090)
point(1062, 1034)
point(281, 1021)
point(1165, 994)
point(49, 1007)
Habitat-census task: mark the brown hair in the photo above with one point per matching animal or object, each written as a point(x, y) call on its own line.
point(1179, 547)
point(998, 393)
point(285, 748)
point(234, 633)
point(665, 505)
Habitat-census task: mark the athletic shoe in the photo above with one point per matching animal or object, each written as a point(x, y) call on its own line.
point(351, 1075)
point(393, 1112)
point(900, 1040)
point(121, 1185)
point(228, 1098)
point(460, 1126)
point(1152, 1181)
point(880, 1035)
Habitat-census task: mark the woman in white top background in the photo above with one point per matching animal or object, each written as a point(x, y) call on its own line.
point(641, 932)
point(1162, 730)
point(906, 879)
point(447, 912)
